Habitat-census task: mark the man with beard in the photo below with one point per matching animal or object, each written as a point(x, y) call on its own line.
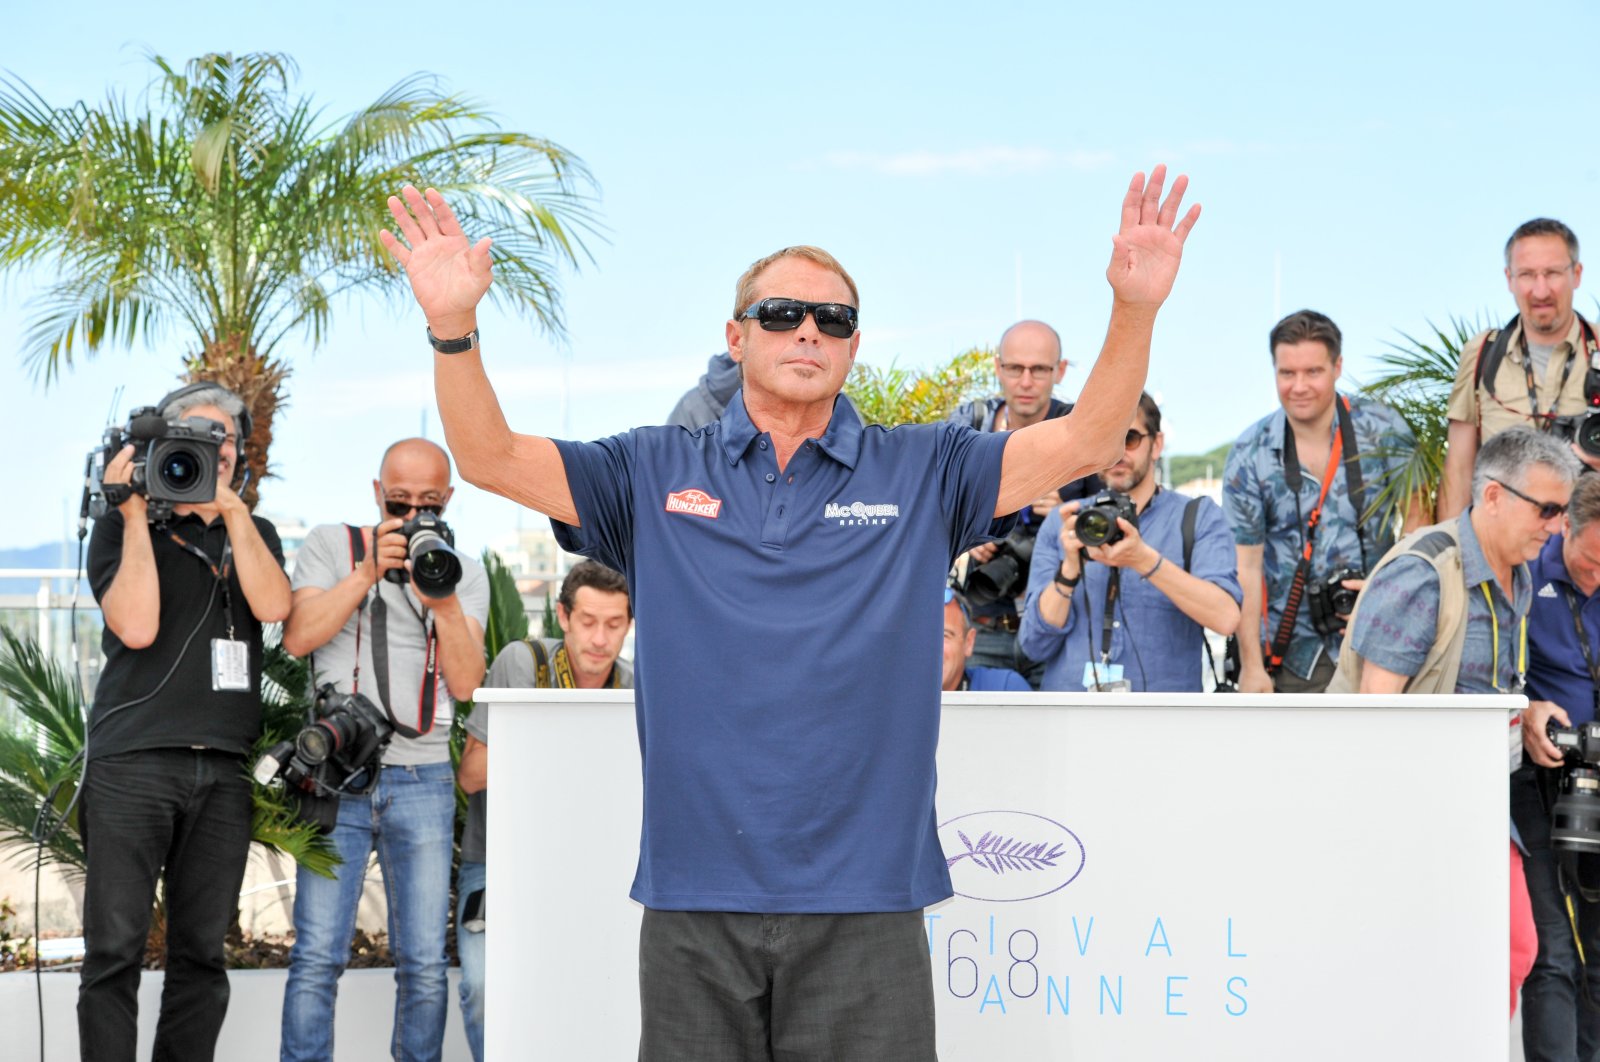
point(1157, 585)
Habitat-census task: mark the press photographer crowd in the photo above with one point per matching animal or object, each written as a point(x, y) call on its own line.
point(1324, 568)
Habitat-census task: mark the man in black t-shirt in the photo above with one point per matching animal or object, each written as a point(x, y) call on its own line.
point(165, 793)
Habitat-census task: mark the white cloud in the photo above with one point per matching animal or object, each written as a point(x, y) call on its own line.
point(985, 161)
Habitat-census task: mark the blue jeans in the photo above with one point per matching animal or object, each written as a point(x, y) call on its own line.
point(1560, 1021)
point(470, 948)
point(408, 818)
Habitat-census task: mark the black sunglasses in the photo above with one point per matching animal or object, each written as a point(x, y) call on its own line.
point(1547, 510)
point(784, 315)
point(403, 508)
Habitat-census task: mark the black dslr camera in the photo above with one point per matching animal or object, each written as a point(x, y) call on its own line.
point(1096, 524)
point(1006, 573)
point(430, 546)
point(1330, 601)
point(1581, 428)
point(174, 463)
point(338, 753)
point(1575, 817)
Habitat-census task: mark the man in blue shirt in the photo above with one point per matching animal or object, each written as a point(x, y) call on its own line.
point(785, 565)
point(1561, 996)
point(1158, 610)
point(959, 635)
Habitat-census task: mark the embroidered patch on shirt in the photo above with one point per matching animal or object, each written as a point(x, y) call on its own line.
point(694, 502)
point(859, 513)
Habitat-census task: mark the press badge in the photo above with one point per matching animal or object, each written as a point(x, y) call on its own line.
point(230, 664)
point(1104, 678)
point(1515, 748)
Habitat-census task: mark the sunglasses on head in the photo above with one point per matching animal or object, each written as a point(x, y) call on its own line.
point(784, 315)
point(403, 508)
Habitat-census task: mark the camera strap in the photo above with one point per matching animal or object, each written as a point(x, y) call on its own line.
point(1343, 440)
point(1583, 643)
point(1113, 591)
point(427, 696)
point(1493, 352)
point(220, 572)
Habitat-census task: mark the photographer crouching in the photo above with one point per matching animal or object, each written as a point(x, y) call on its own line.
point(393, 614)
point(185, 577)
point(1561, 996)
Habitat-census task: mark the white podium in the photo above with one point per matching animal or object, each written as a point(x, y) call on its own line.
point(1138, 876)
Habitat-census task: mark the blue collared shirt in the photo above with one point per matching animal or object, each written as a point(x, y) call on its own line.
point(1398, 620)
point(1557, 670)
point(1156, 644)
point(996, 679)
point(1262, 512)
point(788, 651)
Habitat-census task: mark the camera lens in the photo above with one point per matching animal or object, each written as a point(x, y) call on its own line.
point(316, 742)
point(180, 470)
point(1094, 527)
point(1588, 434)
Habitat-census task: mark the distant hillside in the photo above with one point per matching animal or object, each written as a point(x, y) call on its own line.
point(49, 555)
point(1181, 468)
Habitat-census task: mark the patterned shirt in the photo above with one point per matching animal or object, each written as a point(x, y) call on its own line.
point(1262, 512)
point(1399, 618)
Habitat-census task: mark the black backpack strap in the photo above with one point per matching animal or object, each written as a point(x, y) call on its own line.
point(1191, 513)
point(1353, 483)
point(1432, 544)
point(1491, 354)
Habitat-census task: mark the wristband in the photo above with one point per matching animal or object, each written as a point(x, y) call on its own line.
point(1160, 560)
point(1062, 580)
point(454, 346)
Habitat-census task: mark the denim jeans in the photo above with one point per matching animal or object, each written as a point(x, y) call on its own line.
point(408, 818)
point(1560, 1021)
point(183, 816)
point(470, 948)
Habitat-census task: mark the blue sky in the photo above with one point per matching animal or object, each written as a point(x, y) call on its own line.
point(965, 162)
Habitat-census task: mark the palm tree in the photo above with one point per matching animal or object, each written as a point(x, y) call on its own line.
point(904, 396)
point(235, 214)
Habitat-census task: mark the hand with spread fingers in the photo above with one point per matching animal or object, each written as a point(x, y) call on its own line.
point(1149, 245)
point(449, 274)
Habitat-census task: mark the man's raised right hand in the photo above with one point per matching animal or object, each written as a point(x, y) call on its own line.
point(448, 273)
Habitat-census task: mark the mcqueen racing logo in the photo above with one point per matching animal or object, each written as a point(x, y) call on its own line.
point(860, 513)
point(694, 502)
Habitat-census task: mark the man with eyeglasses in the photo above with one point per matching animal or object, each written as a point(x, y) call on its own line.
point(1301, 489)
point(785, 566)
point(1138, 612)
point(1561, 996)
point(1535, 371)
point(1028, 363)
point(413, 656)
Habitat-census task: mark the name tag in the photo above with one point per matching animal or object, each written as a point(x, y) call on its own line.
point(1515, 746)
point(1104, 678)
point(230, 665)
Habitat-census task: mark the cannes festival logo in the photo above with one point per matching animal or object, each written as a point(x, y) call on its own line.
point(1005, 856)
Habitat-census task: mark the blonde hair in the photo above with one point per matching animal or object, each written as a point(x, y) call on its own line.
point(745, 292)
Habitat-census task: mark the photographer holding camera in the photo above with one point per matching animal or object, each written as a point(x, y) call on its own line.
point(1163, 572)
point(393, 613)
point(1298, 489)
point(1561, 996)
point(1028, 363)
point(1542, 370)
point(165, 796)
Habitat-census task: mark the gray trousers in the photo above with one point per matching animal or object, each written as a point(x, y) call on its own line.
point(721, 987)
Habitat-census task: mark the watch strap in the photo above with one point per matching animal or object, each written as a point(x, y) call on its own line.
point(454, 346)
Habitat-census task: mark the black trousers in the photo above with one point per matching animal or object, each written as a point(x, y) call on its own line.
point(181, 816)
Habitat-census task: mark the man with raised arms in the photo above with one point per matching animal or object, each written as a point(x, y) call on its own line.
point(788, 842)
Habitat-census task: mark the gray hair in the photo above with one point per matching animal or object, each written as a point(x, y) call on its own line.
point(1584, 508)
point(1507, 456)
point(214, 395)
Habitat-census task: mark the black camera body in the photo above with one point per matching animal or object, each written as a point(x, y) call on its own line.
point(430, 546)
point(174, 463)
point(1004, 575)
point(1096, 523)
point(1575, 816)
point(337, 753)
point(1330, 601)
point(1581, 428)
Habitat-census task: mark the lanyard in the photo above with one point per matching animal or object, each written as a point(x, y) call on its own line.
point(218, 572)
point(1522, 647)
point(1583, 643)
point(1545, 419)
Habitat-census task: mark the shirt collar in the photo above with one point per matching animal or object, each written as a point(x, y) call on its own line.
point(842, 440)
point(1475, 567)
point(1551, 565)
point(1573, 340)
point(1278, 422)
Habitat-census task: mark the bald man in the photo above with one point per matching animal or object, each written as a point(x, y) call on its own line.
point(1028, 363)
point(343, 606)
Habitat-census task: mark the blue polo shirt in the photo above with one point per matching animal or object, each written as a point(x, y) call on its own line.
point(1556, 667)
point(996, 680)
point(788, 652)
